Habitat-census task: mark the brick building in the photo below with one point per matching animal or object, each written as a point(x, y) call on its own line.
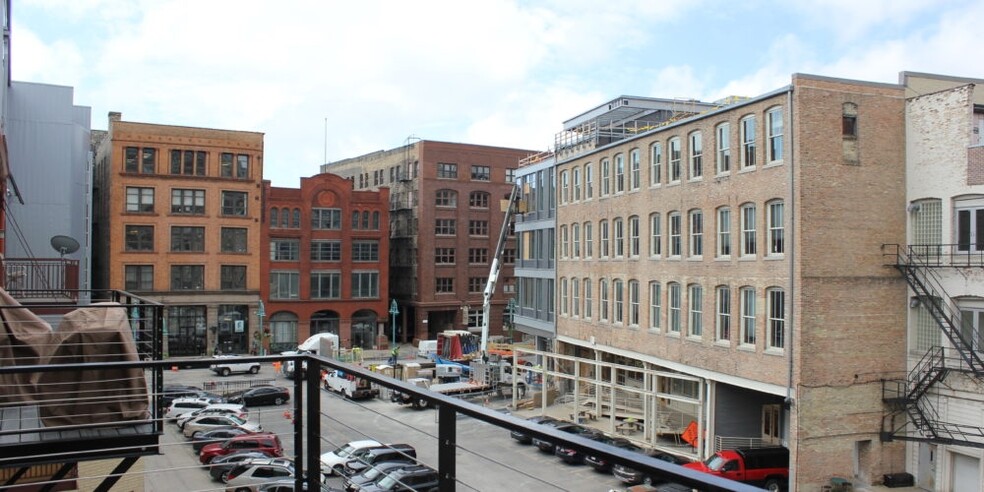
point(177, 219)
point(328, 262)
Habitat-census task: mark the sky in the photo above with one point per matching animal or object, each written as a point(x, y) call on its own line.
point(326, 80)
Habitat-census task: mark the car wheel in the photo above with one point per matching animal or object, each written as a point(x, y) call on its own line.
point(244, 489)
point(224, 477)
point(647, 481)
point(226, 371)
point(278, 401)
point(773, 485)
point(422, 403)
point(196, 435)
point(254, 369)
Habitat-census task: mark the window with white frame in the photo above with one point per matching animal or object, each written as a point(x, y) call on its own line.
point(972, 323)
point(575, 297)
point(619, 226)
point(723, 133)
point(674, 313)
point(674, 144)
point(927, 333)
point(748, 142)
point(633, 302)
point(723, 232)
point(576, 240)
point(696, 155)
point(776, 235)
point(603, 301)
point(576, 183)
point(634, 236)
point(141, 200)
point(588, 181)
point(748, 229)
point(618, 293)
point(587, 298)
point(619, 173)
point(563, 297)
point(970, 225)
point(588, 240)
point(675, 239)
point(696, 233)
point(634, 171)
point(655, 163)
point(776, 300)
point(926, 226)
point(747, 295)
point(655, 305)
point(655, 235)
point(446, 198)
point(773, 122)
point(604, 239)
point(722, 315)
point(695, 304)
point(606, 177)
point(564, 187)
point(563, 241)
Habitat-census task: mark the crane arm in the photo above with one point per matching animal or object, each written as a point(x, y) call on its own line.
point(494, 270)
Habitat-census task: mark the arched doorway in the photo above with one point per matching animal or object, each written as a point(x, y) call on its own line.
point(326, 322)
point(364, 329)
point(283, 328)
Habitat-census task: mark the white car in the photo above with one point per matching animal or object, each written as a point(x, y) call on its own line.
point(208, 422)
point(250, 474)
point(214, 409)
point(228, 364)
point(183, 406)
point(333, 462)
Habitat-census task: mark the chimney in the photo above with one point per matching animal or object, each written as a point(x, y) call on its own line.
point(115, 116)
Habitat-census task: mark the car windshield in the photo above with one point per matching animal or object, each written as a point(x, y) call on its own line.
point(715, 462)
point(387, 482)
point(372, 473)
point(344, 451)
point(236, 419)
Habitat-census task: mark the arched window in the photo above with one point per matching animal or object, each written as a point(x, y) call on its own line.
point(274, 217)
point(295, 221)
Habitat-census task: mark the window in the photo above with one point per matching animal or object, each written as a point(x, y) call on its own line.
point(972, 324)
point(285, 285)
point(478, 255)
point(619, 173)
point(365, 285)
point(722, 318)
point(139, 238)
point(563, 297)
point(563, 242)
point(773, 121)
point(478, 199)
point(748, 142)
point(187, 277)
point(776, 239)
point(748, 230)
point(138, 277)
point(576, 240)
point(655, 163)
point(588, 181)
point(588, 240)
point(140, 160)
point(606, 177)
point(634, 302)
point(478, 228)
point(618, 292)
point(444, 285)
point(444, 256)
point(604, 239)
point(655, 305)
point(674, 159)
point(444, 227)
point(233, 240)
point(232, 277)
point(295, 220)
point(674, 307)
point(695, 303)
point(587, 298)
point(970, 228)
point(446, 198)
point(675, 241)
point(634, 171)
point(366, 250)
point(284, 249)
point(510, 175)
point(849, 121)
point(747, 315)
point(619, 226)
point(326, 218)
point(322, 250)
point(508, 256)
point(696, 233)
point(234, 203)
point(777, 317)
point(655, 235)
point(476, 285)
point(634, 236)
point(564, 187)
point(447, 170)
point(696, 155)
point(187, 238)
point(576, 183)
point(188, 162)
point(274, 217)
point(481, 173)
point(603, 289)
point(724, 232)
point(723, 133)
point(326, 285)
point(188, 202)
point(234, 165)
point(139, 200)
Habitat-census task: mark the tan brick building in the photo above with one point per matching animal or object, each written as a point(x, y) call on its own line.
point(733, 276)
point(177, 213)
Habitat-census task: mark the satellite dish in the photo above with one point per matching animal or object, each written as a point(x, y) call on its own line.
point(64, 245)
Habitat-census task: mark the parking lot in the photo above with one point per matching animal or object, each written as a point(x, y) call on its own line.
point(487, 460)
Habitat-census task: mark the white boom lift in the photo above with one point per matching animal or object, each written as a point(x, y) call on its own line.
point(494, 270)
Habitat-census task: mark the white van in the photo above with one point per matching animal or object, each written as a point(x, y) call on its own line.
point(426, 348)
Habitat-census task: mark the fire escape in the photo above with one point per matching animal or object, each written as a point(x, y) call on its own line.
point(913, 409)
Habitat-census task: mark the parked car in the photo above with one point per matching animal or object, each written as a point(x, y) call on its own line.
point(539, 419)
point(222, 434)
point(204, 423)
point(261, 395)
point(568, 427)
point(572, 456)
point(174, 391)
point(185, 405)
point(266, 442)
point(392, 452)
point(248, 475)
point(767, 467)
point(228, 364)
point(422, 479)
point(373, 473)
point(604, 466)
point(334, 461)
point(236, 409)
point(632, 476)
point(287, 485)
point(220, 466)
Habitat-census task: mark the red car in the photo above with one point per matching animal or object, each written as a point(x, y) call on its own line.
point(264, 442)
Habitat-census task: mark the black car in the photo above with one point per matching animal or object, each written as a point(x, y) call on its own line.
point(574, 457)
point(200, 440)
point(632, 476)
point(568, 427)
point(422, 479)
point(220, 467)
point(539, 419)
point(174, 391)
point(355, 482)
point(261, 395)
point(604, 466)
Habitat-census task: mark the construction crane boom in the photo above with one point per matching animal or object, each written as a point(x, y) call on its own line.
point(494, 270)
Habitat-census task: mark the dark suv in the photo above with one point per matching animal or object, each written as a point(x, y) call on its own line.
point(383, 454)
point(422, 479)
point(568, 427)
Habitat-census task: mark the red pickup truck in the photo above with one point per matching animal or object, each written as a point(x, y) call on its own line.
point(768, 467)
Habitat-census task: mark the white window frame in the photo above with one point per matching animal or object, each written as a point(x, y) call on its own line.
point(774, 132)
point(723, 232)
point(776, 216)
point(655, 305)
point(575, 240)
point(748, 243)
point(675, 246)
point(587, 298)
point(563, 296)
point(723, 133)
point(748, 142)
point(576, 183)
point(674, 307)
point(588, 240)
point(747, 299)
point(618, 296)
point(575, 297)
point(634, 236)
point(603, 298)
point(634, 171)
point(606, 177)
point(655, 163)
point(674, 160)
point(564, 186)
point(775, 299)
point(696, 155)
point(655, 235)
point(605, 240)
point(619, 173)
point(722, 314)
point(588, 181)
point(633, 287)
point(696, 243)
point(695, 305)
point(564, 240)
point(618, 226)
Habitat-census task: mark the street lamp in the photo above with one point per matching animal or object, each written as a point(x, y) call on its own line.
point(394, 310)
point(511, 311)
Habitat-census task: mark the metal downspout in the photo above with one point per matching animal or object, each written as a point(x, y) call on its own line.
point(792, 268)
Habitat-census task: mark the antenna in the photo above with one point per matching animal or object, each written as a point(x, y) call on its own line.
point(64, 244)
